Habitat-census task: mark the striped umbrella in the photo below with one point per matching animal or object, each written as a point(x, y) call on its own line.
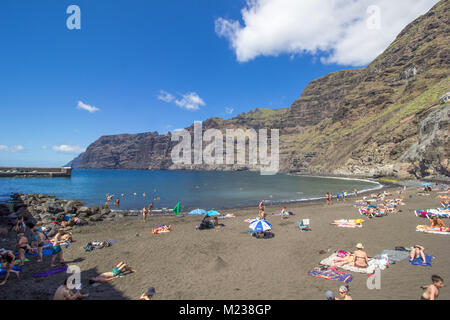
point(260, 225)
point(198, 211)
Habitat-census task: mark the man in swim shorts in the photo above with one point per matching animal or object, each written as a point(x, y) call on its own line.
point(117, 271)
point(56, 249)
point(64, 293)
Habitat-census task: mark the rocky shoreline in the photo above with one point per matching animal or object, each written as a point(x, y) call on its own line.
point(48, 209)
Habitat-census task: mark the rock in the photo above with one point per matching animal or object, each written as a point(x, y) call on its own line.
point(70, 207)
point(4, 209)
point(84, 212)
point(105, 211)
point(53, 207)
point(95, 217)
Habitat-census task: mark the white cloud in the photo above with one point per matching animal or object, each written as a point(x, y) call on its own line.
point(229, 110)
point(11, 148)
point(68, 148)
point(87, 107)
point(165, 96)
point(189, 101)
point(340, 31)
point(43, 147)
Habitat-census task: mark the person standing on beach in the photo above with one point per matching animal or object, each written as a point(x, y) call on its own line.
point(144, 213)
point(56, 249)
point(432, 291)
point(261, 207)
point(356, 192)
point(150, 208)
point(10, 259)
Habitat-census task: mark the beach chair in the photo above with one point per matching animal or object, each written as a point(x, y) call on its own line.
point(304, 225)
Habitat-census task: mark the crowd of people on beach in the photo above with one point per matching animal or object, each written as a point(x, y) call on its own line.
point(34, 240)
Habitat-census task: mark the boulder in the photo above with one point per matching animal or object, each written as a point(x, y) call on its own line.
point(70, 207)
point(84, 212)
point(53, 207)
point(105, 211)
point(4, 209)
point(95, 217)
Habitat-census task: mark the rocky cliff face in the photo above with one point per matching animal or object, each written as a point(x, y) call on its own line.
point(352, 122)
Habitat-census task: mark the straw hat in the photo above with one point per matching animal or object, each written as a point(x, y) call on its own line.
point(359, 246)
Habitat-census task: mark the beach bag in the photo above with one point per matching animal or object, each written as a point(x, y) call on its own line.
point(342, 253)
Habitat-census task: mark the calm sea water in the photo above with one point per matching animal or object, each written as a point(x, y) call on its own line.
point(194, 189)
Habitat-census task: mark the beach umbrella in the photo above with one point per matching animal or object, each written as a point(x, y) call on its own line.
point(426, 184)
point(213, 213)
point(197, 212)
point(260, 225)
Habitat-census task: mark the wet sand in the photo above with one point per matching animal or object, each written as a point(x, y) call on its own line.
point(228, 263)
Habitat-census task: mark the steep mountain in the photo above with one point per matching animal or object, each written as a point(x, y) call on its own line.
point(371, 121)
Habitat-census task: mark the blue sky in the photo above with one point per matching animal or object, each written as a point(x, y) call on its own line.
point(207, 58)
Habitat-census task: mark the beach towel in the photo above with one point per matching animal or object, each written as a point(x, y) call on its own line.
point(394, 255)
point(421, 228)
point(329, 262)
point(50, 272)
point(15, 268)
point(331, 275)
point(161, 229)
point(46, 252)
point(49, 245)
point(419, 261)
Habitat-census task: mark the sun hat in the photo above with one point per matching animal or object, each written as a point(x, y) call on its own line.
point(359, 246)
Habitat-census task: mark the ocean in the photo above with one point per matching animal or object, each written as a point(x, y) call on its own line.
point(194, 189)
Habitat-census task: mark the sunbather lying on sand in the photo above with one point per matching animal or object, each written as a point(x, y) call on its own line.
point(418, 251)
point(436, 224)
point(344, 222)
point(118, 270)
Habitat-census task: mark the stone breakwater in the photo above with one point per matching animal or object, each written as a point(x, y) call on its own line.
point(48, 209)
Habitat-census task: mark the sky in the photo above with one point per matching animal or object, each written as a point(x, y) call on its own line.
point(69, 75)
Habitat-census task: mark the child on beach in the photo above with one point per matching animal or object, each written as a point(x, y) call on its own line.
point(432, 291)
point(144, 213)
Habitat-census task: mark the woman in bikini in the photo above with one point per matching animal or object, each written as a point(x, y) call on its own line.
point(23, 246)
point(144, 213)
point(38, 242)
point(416, 252)
point(360, 259)
point(261, 207)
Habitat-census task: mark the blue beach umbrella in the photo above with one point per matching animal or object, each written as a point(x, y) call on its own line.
point(260, 225)
point(213, 213)
point(426, 184)
point(197, 212)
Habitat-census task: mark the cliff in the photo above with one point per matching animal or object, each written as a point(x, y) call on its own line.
point(362, 122)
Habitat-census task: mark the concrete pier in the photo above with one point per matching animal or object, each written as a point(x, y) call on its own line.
point(29, 172)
